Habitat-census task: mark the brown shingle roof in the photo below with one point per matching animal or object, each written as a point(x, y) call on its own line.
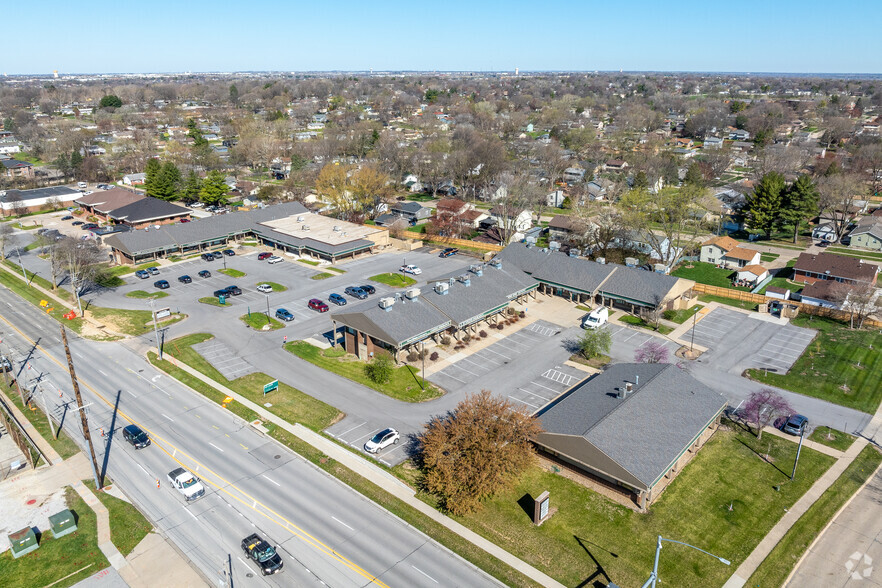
point(450, 204)
point(755, 269)
point(108, 200)
point(724, 242)
point(742, 253)
point(836, 266)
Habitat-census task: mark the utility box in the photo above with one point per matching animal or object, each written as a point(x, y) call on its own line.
point(62, 523)
point(23, 542)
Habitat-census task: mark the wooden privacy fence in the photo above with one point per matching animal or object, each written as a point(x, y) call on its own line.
point(833, 313)
point(452, 241)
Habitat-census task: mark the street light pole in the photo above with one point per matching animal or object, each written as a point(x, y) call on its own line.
point(267, 309)
point(653, 577)
point(25, 275)
point(156, 329)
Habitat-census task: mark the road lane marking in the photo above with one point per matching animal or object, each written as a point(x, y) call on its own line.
point(424, 573)
point(103, 374)
point(216, 447)
point(168, 417)
point(271, 480)
point(342, 523)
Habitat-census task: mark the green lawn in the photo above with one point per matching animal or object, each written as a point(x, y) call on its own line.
point(832, 438)
point(728, 301)
point(131, 322)
point(863, 254)
point(769, 256)
point(841, 365)
point(321, 276)
point(591, 537)
point(287, 402)
point(212, 300)
point(57, 558)
point(394, 280)
point(335, 269)
point(258, 320)
point(308, 262)
point(276, 286)
point(780, 562)
point(636, 321)
point(233, 273)
point(404, 385)
point(145, 294)
point(127, 525)
point(681, 316)
point(64, 445)
point(707, 273)
point(17, 285)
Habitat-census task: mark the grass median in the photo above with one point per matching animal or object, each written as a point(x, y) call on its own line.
point(321, 276)
point(394, 280)
point(233, 273)
point(127, 525)
point(832, 438)
point(637, 321)
point(143, 294)
point(773, 571)
point(403, 385)
point(274, 285)
point(681, 316)
point(258, 321)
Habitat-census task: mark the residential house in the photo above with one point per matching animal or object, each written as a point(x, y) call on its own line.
point(615, 165)
point(752, 274)
point(811, 268)
point(572, 175)
point(727, 252)
point(565, 229)
point(13, 168)
point(473, 218)
point(411, 211)
point(822, 293)
point(633, 426)
point(494, 192)
point(555, 199)
point(825, 232)
point(712, 143)
point(868, 233)
point(738, 135)
point(511, 218)
point(598, 189)
point(134, 179)
point(412, 183)
point(453, 206)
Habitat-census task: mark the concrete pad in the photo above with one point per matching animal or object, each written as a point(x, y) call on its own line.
point(154, 562)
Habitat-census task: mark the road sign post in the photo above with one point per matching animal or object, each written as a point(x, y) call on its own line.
point(274, 385)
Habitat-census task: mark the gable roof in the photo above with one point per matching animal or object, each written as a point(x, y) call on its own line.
point(836, 266)
point(108, 200)
point(742, 253)
point(646, 431)
point(408, 207)
point(724, 242)
point(450, 205)
point(402, 322)
point(15, 163)
point(755, 269)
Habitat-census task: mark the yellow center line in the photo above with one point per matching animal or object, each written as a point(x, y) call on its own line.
point(288, 525)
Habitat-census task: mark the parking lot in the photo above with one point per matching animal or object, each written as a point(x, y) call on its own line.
point(356, 430)
point(230, 365)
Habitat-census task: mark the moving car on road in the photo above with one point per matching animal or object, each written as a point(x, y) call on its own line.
point(318, 305)
point(136, 437)
point(382, 440)
point(262, 553)
point(410, 269)
point(284, 315)
point(337, 299)
point(356, 292)
point(161, 284)
point(185, 279)
point(186, 483)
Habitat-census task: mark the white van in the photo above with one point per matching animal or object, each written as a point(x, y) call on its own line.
point(596, 318)
point(82, 185)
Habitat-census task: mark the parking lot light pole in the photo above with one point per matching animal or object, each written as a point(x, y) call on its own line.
point(267, 309)
point(653, 577)
point(156, 329)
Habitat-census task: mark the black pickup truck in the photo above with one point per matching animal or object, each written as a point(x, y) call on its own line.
point(263, 553)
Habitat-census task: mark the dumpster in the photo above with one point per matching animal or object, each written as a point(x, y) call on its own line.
point(22, 542)
point(62, 523)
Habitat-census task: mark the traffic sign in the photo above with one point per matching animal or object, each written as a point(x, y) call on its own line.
point(274, 385)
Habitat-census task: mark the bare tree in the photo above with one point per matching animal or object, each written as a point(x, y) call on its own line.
point(859, 299)
point(838, 193)
point(653, 351)
point(763, 408)
point(6, 232)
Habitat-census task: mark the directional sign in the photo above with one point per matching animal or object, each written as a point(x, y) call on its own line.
point(274, 385)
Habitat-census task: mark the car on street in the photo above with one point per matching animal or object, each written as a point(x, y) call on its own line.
point(229, 252)
point(67, 217)
point(136, 437)
point(265, 288)
point(186, 483)
point(356, 292)
point(448, 252)
point(262, 553)
point(382, 440)
point(368, 289)
point(318, 305)
point(274, 259)
point(77, 223)
point(5, 364)
point(284, 314)
point(185, 279)
point(161, 284)
point(143, 274)
point(264, 255)
point(154, 271)
point(205, 274)
point(208, 257)
point(824, 244)
point(89, 227)
point(410, 269)
point(337, 299)
point(217, 254)
point(796, 425)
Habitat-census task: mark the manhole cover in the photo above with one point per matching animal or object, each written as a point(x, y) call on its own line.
point(277, 456)
point(31, 501)
point(249, 575)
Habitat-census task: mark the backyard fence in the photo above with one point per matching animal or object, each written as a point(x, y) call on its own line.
point(453, 242)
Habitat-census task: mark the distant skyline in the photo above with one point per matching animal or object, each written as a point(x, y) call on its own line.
point(271, 35)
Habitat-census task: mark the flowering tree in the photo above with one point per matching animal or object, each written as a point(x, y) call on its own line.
point(653, 351)
point(763, 408)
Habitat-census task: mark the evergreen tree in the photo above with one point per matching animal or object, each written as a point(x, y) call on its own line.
point(214, 189)
point(694, 176)
point(151, 175)
point(764, 205)
point(641, 182)
point(167, 183)
point(234, 94)
point(191, 188)
point(800, 203)
point(76, 160)
point(110, 101)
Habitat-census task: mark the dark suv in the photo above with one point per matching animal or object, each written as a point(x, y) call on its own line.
point(134, 435)
point(356, 292)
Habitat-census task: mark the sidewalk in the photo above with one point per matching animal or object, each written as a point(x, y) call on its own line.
point(749, 566)
point(376, 475)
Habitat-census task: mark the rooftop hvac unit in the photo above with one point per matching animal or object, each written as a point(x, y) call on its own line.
point(465, 279)
point(477, 270)
point(305, 227)
point(631, 261)
point(299, 219)
point(575, 253)
point(530, 241)
point(336, 228)
point(386, 303)
point(554, 246)
point(496, 263)
point(442, 288)
point(412, 293)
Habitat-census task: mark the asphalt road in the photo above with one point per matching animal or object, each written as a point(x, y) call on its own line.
point(327, 533)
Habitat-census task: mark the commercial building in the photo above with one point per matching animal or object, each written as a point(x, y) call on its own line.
point(15, 202)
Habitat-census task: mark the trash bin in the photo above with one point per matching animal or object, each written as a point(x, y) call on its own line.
point(62, 523)
point(22, 542)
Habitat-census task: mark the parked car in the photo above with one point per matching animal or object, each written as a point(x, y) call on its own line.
point(186, 483)
point(154, 271)
point(368, 289)
point(207, 257)
point(196, 205)
point(382, 440)
point(234, 290)
point(796, 425)
point(318, 305)
point(229, 252)
point(337, 299)
point(410, 269)
point(265, 288)
point(143, 274)
point(185, 220)
point(262, 553)
point(596, 318)
point(89, 227)
point(67, 217)
point(77, 223)
point(824, 244)
point(161, 284)
point(134, 435)
point(185, 279)
point(217, 254)
point(274, 259)
point(356, 292)
point(284, 314)
point(264, 255)
point(221, 292)
point(449, 251)
point(205, 274)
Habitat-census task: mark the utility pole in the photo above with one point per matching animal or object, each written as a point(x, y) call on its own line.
point(155, 328)
point(46, 408)
point(73, 289)
point(85, 421)
point(798, 450)
point(25, 275)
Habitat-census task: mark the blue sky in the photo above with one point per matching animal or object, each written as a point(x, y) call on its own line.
point(196, 35)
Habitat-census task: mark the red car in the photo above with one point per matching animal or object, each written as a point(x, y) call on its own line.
point(264, 255)
point(318, 305)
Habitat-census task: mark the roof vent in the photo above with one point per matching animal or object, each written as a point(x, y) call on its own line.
point(554, 246)
point(442, 288)
point(465, 279)
point(386, 303)
point(305, 227)
point(299, 219)
point(496, 263)
point(451, 280)
point(412, 293)
point(336, 228)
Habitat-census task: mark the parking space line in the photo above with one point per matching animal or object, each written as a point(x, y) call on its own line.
point(456, 365)
point(536, 394)
point(546, 387)
point(444, 373)
point(477, 364)
point(524, 401)
point(499, 354)
point(353, 428)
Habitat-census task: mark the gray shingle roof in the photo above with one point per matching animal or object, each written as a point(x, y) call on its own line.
point(147, 209)
point(397, 325)
point(637, 284)
point(50, 192)
point(646, 431)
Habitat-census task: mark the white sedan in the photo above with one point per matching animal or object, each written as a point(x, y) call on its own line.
point(410, 269)
point(265, 288)
point(382, 440)
point(274, 259)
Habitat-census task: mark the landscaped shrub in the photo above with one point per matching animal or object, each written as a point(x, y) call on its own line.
point(500, 326)
point(413, 356)
point(466, 338)
point(482, 334)
point(522, 314)
point(379, 370)
point(434, 356)
point(423, 353)
point(445, 340)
